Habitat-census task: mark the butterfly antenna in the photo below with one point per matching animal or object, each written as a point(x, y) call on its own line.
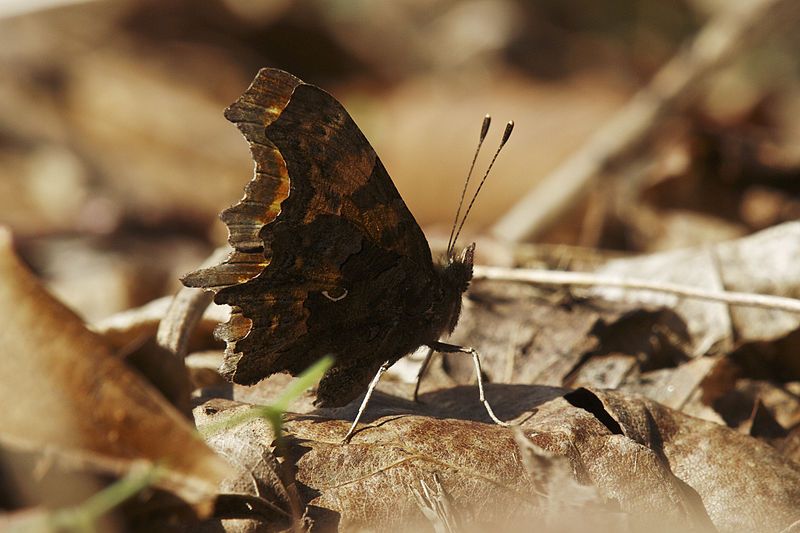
point(506, 135)
point(487, 120)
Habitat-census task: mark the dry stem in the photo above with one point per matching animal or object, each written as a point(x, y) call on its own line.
point(550, 277)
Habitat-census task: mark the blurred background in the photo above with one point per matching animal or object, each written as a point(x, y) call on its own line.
point(115, 157)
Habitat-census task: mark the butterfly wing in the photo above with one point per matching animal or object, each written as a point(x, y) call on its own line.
point(327, 257)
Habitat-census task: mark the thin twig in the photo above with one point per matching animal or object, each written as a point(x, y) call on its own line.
point(733, 29)
point(583, 279)
point(143, 317)
point(185, 312)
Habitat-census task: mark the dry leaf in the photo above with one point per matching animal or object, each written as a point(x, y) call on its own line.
point(72, 400)
point(664, 470)
point(761, 263)
point(524, 337)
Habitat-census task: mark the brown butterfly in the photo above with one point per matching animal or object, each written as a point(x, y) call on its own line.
point(327, 258)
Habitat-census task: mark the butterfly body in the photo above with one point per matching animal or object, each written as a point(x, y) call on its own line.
point(327, 258)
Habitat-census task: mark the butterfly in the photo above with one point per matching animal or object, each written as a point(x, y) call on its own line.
point(327, 258)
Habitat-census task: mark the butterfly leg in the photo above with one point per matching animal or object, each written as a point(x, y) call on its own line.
point(374, 383)
point(421, 372)
point(476, 360)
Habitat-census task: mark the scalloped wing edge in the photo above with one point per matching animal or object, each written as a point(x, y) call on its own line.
point(259, 106)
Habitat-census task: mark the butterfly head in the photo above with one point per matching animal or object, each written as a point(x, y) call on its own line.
point(456, 275)
point(458, 270)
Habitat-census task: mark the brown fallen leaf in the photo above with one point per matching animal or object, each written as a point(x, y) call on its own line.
point(739, 403)
point(790, 447)
point(663, 470)
point(744, 484)
point(568, 502)
point(524, 337)
point(258, 488)
point(672, 387)
point(71, 401)
point(657, 229)
point(760, 263)
point(604, 371)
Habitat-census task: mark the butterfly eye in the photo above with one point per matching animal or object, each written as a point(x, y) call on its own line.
point(336, 294)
